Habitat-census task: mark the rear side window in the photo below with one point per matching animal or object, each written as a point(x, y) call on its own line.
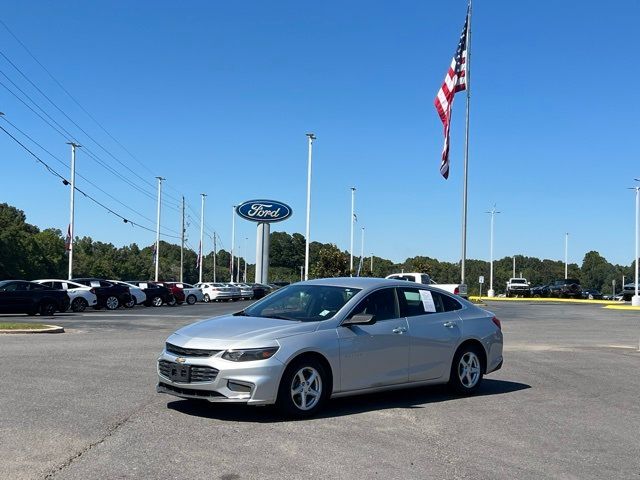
point(444, 303)
point(37, 286)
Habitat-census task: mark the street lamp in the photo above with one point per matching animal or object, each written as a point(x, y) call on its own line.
point(491, 292)
point(311, 138)
point(566, 255)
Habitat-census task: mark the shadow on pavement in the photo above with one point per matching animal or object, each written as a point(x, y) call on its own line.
point(407, 398)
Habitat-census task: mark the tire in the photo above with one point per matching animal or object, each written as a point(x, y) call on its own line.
point(112, 302)
point(191, 299)
point(466, 370)
point(131, 303)
point(302, 404)
point(590, 297)
point(207, 298)
point(156, 301)
point(79, 304)
point(172, 301)
point(47, 309)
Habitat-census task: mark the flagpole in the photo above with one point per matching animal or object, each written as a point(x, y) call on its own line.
point(72, 206)
point(353, 200)
point(203, 195)
point(160, 179)
point(466, 149)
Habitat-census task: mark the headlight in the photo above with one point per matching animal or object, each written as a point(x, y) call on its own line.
point(249, 354)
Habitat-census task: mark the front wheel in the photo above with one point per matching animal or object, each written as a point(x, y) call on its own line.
point(112, 302)
point(303, 389)
point(191, 299)
point(131, 303)
point(466, 371)
point(156, 301)
point(172, 301)
point(47, 309)
point(79, 304)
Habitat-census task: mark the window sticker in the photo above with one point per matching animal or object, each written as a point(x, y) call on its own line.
point(143, 285)
point(94, 283)
point(427, 301)
point(324, 313)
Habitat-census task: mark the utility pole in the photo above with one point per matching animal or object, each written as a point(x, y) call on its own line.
point(491, 292)
point(233, 239)
point(353, 217)
point(311, 138)
point(160, 179)
point(71, 231)
point(182, 245)
point(566, 255)
point(215, 256)
point(200, 256)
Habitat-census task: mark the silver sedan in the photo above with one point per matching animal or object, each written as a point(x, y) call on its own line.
point(315, 340)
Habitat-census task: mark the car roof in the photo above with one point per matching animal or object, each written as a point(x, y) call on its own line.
point(359, 282)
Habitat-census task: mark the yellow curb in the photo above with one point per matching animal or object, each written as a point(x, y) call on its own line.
point(545, 299)
point(622, 307)
point(50, 329)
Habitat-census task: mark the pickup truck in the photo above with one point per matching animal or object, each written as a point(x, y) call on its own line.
point(518, 287)
point(455, 288)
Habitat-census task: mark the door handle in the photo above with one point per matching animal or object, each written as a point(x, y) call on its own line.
point(399, 330)
point(449, 324)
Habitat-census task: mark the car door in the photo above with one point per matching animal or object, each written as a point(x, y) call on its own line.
point(434, 331)
point(12, 296)
point(376, 354)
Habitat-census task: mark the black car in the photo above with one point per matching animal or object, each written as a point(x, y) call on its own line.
point(260, 290)
point(540, 291)
point(591, 294)
point(19, 296)
point(110, 295)
point(156, 294)
point(628, 291)
point(566, 288)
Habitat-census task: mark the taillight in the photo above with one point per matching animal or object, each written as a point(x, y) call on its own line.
point(456, 291)
point(497, 322)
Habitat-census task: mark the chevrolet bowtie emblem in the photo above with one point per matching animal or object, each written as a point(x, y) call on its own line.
point(181, 359)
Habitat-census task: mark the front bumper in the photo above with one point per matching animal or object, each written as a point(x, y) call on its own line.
point(253, 383)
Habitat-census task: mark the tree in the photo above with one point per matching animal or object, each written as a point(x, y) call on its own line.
point(330, 262)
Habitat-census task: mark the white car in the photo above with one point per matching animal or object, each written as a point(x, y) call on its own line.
point(192, 293)
point(214, 292)
point(81, 296)
point(138, 297)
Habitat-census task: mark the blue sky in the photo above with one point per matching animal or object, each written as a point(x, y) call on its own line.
point(217, 97)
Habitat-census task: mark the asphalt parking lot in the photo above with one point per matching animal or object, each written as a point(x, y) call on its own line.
point(82, 405)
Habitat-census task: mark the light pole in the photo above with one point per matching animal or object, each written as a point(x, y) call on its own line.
point(491, 292)
point(635, 300)
point(311, 138)
point(371, 263)
point(246, 249)
point(566, 255)
point(353, 203)
point(360, 266)
point(72, 206)
point(233, 240)
point(514, 266)
point(200, 262)
point(160, 179)
point(301, 272)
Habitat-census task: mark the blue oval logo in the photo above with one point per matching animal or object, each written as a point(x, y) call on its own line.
point(264, 211)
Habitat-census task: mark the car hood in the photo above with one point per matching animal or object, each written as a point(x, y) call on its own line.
point(228, 330)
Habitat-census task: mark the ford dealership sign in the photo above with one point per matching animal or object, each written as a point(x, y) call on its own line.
point(264, 211)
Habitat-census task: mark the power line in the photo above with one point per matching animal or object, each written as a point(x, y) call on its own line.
point(66, 182)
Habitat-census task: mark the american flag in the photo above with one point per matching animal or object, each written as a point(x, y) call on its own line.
point(455, 81)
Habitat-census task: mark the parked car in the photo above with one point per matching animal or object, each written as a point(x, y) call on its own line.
point(246, 292)
point(156, 294)
point(81, 296)
point(282, 284)
point(540, 291)
point(566, 288)
point(455, 288)
point(628, 291)
point(260, 290)
point(176, 291)
point(592, 294)
point(19, 296)
point(236, 293)
point(110, 295)
point(192, 293)
point(138, 296)
point(215, 292)
point(518, 287)
point(314, 340)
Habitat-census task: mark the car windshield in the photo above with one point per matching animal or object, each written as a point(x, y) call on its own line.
point(303, 303)
point(518, 280)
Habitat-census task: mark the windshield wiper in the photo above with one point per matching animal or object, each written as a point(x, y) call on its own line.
point(280, 317)
point(241, 313)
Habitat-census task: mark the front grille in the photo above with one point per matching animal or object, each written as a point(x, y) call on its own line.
point(196, 373)
point(190, 391)
point(190, 352)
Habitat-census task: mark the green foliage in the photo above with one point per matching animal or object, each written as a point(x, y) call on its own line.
point(28, 253)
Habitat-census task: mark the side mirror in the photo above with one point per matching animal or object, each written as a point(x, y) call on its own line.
point(360, 319)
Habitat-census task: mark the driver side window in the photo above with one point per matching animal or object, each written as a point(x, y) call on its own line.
point(381, 304)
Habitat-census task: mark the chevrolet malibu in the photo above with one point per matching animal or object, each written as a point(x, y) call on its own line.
point(321, 339)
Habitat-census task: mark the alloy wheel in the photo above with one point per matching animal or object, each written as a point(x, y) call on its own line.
point(306, 388)
point(112, 303)
point(469, 370)
point(157, 301)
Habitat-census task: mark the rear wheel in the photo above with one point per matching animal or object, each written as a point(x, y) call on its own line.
point(172, 301)
point(112, 302)
point(131, 303)
point(207, 299)
point(79, 304)
point(303, 388)
point(466, 370)
point(191, 299)
point(47, 309)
